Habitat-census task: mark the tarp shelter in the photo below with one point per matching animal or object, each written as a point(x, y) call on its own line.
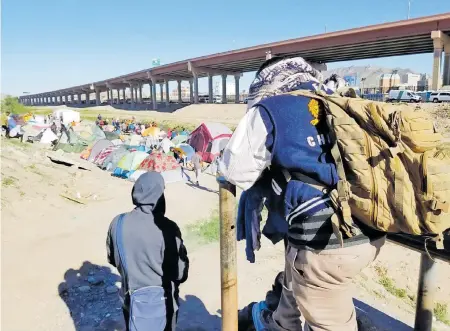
point(111, 161)
point(151, 131)
point(98, 147)
point(159, 162)
point(209, 139)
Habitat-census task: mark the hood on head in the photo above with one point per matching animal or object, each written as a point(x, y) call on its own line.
point(147, 190)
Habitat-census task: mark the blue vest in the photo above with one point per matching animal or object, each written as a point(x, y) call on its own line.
point(299, 144)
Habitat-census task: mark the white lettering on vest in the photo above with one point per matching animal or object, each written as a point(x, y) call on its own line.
point(321, 139)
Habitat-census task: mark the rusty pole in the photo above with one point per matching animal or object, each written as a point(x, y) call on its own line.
point(228, 268)
point(425, 294)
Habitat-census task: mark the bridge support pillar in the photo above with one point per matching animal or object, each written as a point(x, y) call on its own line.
point(154, 101)
point(140, 93)
point(97, 97)
point(210, 89)
point(195, 88)
point(161, 93)
point(441, 43)
point(179, 91)
point(167, 93)
point(224, 88)
point(236, 88)
point(191, 91)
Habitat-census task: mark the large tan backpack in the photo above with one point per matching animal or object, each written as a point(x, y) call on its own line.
point(393, 166)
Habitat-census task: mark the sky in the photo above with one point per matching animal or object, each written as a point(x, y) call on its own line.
point(52, 44)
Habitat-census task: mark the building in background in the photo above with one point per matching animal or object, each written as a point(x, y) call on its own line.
point(410, 79)
point(424, 83)
point(388, 81)
point(185, 93)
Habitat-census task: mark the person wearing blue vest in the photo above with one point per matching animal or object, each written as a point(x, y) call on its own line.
point(147, 249)
point(285, 133)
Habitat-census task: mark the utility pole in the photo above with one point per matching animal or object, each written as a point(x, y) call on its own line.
point(409, 9)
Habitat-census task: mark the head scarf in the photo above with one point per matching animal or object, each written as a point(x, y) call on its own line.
point(281, 77)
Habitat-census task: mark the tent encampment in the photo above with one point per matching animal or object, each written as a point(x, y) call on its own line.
point(98, 147)
point(209, 139)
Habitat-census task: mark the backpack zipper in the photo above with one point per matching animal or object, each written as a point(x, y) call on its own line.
point(374, 191)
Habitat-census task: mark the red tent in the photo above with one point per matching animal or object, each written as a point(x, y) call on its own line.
point(159, 162)
point(209, 139)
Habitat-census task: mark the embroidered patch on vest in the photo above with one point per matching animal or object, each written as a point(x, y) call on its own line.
point(314, 109)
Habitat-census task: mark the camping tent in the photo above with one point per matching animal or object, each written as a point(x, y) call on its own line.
point(48, 136)
point(111, 161)
point(159, 162)
point(129, 163)
point(188, 150)
point(165, 145)
point(67, 115)
point(100, 158)
point(98, 147)
point(79, 137)
point(209, 139)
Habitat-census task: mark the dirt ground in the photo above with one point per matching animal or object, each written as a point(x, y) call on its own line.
point(55, 275)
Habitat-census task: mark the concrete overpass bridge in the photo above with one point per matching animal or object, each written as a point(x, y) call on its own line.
point(429, 34)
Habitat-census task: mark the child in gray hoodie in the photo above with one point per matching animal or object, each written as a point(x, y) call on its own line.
point(153, 248)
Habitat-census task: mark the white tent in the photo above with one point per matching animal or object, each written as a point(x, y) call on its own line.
point(67, 115)
point(166, 144)
point(48, 136)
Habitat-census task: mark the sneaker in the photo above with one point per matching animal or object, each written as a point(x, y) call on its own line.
point(260, 315)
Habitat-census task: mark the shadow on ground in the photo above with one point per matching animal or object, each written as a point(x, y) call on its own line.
point(371, 319)
point(91, 296)
point(193, 316)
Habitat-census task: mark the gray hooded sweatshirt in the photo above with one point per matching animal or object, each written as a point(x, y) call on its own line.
point(154, 250)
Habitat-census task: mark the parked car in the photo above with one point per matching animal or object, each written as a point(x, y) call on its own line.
point(203, 98)
point(440, 96)
point(403, 95)
point(217, 99)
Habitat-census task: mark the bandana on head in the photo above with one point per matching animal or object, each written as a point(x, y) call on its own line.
point(281, 77)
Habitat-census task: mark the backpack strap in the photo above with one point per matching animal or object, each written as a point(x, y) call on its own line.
point(121, 249)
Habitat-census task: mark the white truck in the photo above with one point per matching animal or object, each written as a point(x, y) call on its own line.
point(403, 95)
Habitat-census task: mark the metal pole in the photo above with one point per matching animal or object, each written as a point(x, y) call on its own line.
point(425, 294)
point(228, 268)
